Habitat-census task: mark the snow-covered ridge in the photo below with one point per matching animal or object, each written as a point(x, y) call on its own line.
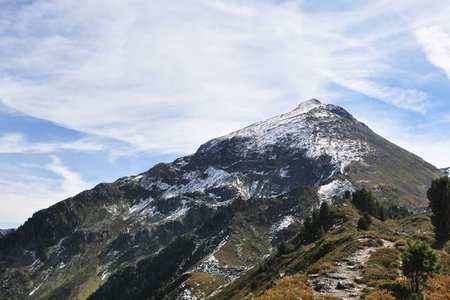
point(446, 171)
point(311, 127)
point(309, 105)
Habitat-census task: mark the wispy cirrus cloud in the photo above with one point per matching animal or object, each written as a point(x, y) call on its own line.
point(24, 192)
point(436, 45)
point(160, 79)
point(411, 99)
point(71, 182)
point(17, 143)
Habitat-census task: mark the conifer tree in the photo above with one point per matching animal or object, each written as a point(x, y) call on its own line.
point(439, 196)
point(419, 261)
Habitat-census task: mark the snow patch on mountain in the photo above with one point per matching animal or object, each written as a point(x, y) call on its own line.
point(285, 222)
point(211, 265)
point(187, 295)
point(282, 224)
point(34, 290)
point(446, 171)
point(139, 207)
point(197, 182)
point(284, 172)
point(334, 190)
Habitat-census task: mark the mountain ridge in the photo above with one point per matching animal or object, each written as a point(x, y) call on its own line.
point(283, 167)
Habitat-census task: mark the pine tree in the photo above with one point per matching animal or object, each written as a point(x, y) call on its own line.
point(307, 228)
point(324, 217)
point(282, 248)
point(314, 216)
point(439, 196)
point(419, 261)
point(364, 201)
point(347, 195)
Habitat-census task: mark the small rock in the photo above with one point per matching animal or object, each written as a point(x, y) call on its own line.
point(359, 280)
point(351, 262)
point(342, 286)
point(319, 286)
point(334, 276)
point(374, 243)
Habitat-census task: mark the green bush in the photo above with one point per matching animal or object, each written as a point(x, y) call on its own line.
point(419, 262)
point(363, 224)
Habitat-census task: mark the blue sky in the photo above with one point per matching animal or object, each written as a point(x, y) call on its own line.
point(95, 90)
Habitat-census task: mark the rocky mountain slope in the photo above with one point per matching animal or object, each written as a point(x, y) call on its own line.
point(213, 214)
point(5, 231)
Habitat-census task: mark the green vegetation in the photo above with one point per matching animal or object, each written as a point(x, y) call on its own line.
point(382, 267)
point(317, 224)
point(365, 201)
point(364, 222)
point(419, 262)
point(439, 197)
point(286, 273)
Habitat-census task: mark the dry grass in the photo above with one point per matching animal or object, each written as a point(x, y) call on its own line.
point(382, 294)
point(206, 283)
point(291, 288)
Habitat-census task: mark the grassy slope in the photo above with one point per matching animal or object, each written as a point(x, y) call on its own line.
point(284, 276)
point(394, 174)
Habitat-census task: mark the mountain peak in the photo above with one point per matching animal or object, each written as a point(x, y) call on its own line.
point(313, 129)
point(309, 105)
point(316, 105)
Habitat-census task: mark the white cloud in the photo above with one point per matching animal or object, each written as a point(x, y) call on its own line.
point(24, 193)
point(17, 143)
point(168, 77)
point(436, 45)
point(71, 183)
point(408, 98)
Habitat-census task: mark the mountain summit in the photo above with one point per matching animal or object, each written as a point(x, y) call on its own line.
point(215, 213)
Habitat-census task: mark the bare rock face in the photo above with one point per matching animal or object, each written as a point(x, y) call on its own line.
point(253, 185)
